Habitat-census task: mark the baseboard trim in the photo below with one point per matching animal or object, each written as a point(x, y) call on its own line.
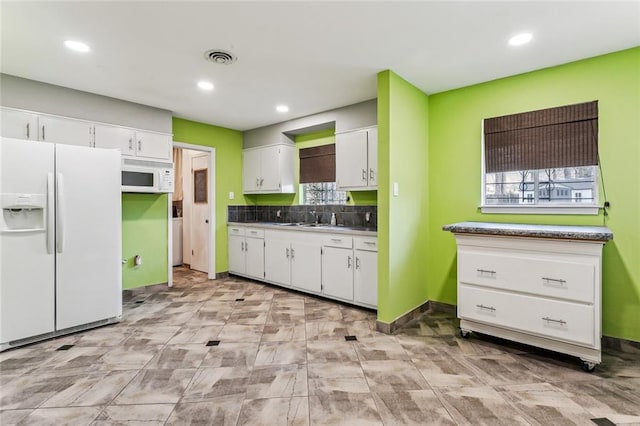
point(222, 275)
point(402, 320)
point(622, 345)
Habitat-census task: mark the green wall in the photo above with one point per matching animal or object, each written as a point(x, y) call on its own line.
point(455, 159)
point(144, 233)
point(309, 140)
point(402, 220)
point(228, 145)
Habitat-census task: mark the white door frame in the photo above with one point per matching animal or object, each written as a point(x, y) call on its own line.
point(212, 212)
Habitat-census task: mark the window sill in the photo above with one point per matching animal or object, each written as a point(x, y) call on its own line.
point(575, 210)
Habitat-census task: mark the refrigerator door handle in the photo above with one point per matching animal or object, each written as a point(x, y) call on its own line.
point(60, 214)
point(50, 213)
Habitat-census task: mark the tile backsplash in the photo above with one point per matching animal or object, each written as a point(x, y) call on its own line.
point(345, 215)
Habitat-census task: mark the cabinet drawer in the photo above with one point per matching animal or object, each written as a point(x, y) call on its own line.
point(236, 230)
point(556, 319)
point(366, 243)
point(529, 274)
point(338, 241)
point(254, 233)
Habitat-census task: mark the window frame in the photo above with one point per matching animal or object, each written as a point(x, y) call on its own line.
point(549, 209)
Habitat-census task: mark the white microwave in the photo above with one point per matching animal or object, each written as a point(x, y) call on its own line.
point(147, 176)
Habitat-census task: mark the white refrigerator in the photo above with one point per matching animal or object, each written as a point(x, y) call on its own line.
point(60, 239)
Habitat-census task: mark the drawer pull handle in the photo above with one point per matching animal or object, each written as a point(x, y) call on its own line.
point(287, 253)
point(336, 240)
point(486, 271)
point(489, 308)
point(561, 322)
point(555, 280)
point(370, 243)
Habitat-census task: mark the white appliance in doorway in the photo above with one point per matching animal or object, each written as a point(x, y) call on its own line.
point(60, 240)
point(200, 213)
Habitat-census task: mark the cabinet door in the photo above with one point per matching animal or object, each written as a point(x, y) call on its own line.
point(65, 131)
point(19, 124)
point(351, 160)
point(337, 273)
point(236, 254)
point(115, 137)
point(372, 158)
point(254, 252)
point(153, 145)
point(365, 278)
point(277, 266)
point(251, 165)
point(270, 162)
point(306, 265)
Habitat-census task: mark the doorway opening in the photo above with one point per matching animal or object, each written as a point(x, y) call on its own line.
point(192, 210)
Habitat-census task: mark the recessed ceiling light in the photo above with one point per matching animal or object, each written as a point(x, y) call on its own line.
point(205, 85)
point(520, 39)
point(78, 46)
point(282, 108)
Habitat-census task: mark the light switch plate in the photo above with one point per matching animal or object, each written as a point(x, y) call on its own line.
point(231, 195)
point(395, 189)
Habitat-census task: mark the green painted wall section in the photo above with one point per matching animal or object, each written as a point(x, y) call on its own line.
point(144, 233)
point(228, 145)
point(309, 140)
point(455, 159)
point(403, 219)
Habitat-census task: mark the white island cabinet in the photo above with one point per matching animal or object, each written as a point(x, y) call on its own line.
point(535, 284)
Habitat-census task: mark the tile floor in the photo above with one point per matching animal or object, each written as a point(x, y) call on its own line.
point(236, 352)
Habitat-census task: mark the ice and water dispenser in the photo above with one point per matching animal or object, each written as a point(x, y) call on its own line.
point(23, 212)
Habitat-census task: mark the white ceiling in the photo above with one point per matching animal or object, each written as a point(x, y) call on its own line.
point(312, 56)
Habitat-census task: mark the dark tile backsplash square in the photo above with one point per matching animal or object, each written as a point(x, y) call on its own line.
point(345, 215)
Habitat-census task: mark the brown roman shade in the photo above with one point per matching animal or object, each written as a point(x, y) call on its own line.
point(318, 164)
point(565, 136)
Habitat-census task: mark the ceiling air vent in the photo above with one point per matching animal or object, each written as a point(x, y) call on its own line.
point(218, 56)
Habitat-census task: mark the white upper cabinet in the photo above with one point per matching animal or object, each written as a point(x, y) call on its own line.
point(268, 169)
point(357, 160)
point(66, 131)
point(153, 145)
point(19, 124)
point(116, 137)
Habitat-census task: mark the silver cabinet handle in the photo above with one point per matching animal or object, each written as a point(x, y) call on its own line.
point(555, 280)
point(257, 182)
point(348, 262)
point(561, 322)
point(287, 253)
point(370, 243)
point(130, 144)
point(293, 253)
point(27, 130)
point(357, 262)
point(139, 144)
point(364, 174)
point(241, 245)
point(246, 246)
point(43, 138)
point(488, 308)
point(254, 232)
point(486, 271)
point(370, 174)
point(336, 240)
point(261, 181)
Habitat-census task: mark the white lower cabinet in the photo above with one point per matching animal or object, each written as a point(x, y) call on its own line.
point(293, 259)
point(337, 272)
point(246, 251)
point(337, 266)
point(350, 269)
point(542, 292)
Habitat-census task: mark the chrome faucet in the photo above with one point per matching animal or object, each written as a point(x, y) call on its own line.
point(315, 216)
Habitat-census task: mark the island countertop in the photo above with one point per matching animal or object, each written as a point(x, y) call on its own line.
point(565, 232)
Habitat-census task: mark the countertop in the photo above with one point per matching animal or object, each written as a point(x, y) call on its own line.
point(325, 228)
point(564, 232)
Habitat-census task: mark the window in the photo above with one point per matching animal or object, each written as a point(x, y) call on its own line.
point(318, 176)
point(546, 160)
point(321, 193)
